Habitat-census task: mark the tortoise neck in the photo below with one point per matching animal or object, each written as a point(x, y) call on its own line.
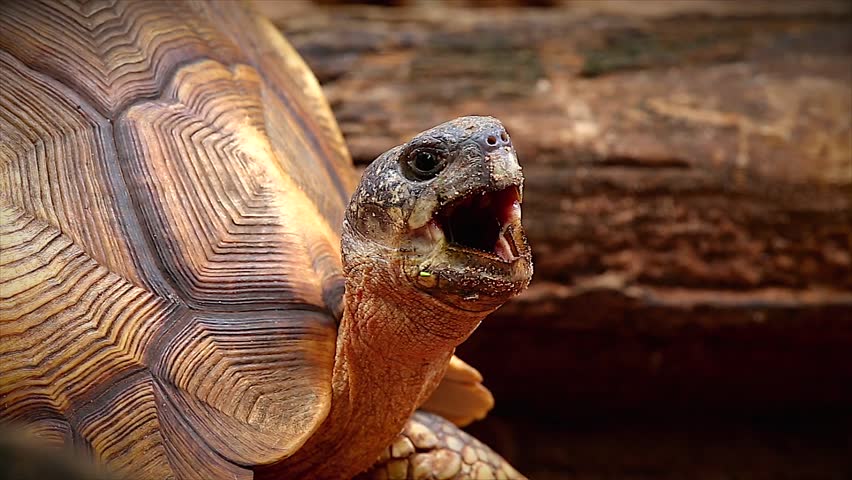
point(393, 347)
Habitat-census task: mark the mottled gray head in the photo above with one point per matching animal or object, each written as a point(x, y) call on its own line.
point(444, 211)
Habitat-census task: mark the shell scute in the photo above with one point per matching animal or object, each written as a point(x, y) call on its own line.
point(171, 193)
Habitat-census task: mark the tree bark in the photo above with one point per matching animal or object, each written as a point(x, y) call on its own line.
point(688, 195)
point(688, 187)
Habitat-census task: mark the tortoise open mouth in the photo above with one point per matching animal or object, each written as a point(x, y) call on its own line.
point(485, 222)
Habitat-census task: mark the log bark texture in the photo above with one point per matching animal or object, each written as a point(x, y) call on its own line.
point(689, 175)
point(688, 195)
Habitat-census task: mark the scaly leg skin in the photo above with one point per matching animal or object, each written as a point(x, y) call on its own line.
point(431, 448)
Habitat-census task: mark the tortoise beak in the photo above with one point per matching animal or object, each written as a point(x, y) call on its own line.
point(468, 247)
point(479, 210)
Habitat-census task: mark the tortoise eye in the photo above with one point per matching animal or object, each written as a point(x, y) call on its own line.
point(425, 161)
point(425, 164)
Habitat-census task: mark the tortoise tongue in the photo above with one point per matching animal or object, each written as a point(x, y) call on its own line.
point(484, 222)
point(505, 247)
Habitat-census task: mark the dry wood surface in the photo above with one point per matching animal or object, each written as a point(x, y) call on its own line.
point(688, 200)
point(689, 170)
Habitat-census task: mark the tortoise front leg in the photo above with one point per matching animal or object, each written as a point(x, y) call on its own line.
point(431, 448)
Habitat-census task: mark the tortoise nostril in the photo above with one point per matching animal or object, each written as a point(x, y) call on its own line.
point(490, 137)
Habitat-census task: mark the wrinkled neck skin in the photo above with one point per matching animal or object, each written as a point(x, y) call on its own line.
point(393, 346)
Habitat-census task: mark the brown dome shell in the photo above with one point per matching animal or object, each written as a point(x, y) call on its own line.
point(171, 188)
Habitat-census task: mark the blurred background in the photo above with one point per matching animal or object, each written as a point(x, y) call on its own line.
point(689, 202)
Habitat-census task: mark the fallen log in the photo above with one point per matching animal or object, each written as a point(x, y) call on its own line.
point(688, 192)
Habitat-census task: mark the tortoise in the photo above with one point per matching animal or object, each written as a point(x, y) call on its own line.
point(194, 282)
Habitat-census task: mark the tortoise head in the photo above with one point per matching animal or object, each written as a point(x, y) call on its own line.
point(443, 212)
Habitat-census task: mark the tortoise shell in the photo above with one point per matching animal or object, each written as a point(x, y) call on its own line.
point(172, 183)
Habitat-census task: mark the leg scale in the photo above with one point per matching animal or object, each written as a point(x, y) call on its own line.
point(431, 448)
